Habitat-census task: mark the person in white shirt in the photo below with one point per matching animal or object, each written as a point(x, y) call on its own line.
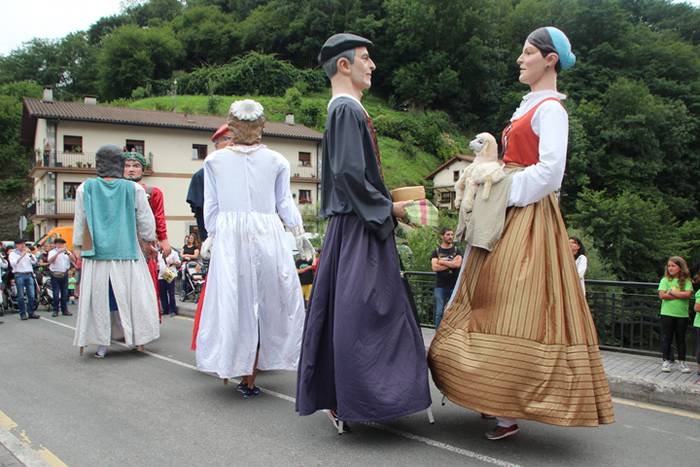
point(22, 262)
point(59, 260)
point(167, 271)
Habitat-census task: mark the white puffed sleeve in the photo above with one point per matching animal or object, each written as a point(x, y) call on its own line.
point(284, 202)
point(211, 203)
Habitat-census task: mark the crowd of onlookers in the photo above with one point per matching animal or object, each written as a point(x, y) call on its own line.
point(31, 274)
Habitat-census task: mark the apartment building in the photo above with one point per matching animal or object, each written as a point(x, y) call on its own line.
point(66, 135)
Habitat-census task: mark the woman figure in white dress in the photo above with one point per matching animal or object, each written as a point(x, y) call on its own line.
point(253, 310)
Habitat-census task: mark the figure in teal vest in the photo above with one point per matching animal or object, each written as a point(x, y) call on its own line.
point(117, 299)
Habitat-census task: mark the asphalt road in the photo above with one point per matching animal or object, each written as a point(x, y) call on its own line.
point(155, 409)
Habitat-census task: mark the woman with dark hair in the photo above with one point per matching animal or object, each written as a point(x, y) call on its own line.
point(579, 252)
point(190, 251)
point(518, 340)
point(675, 290)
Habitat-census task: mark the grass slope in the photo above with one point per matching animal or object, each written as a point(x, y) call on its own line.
point(402, 165)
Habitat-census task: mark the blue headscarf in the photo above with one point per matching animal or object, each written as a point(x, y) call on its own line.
point(552, 40)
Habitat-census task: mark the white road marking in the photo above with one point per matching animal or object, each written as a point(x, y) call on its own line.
point(394, 431)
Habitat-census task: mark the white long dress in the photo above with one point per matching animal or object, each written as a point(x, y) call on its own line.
point(131, 282)
point(253, 295)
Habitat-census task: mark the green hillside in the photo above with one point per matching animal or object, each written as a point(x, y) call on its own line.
point(405, 159)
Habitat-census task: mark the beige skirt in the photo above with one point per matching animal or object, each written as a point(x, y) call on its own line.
point(518, 339)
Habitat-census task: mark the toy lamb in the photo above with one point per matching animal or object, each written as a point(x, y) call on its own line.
point(485, 170)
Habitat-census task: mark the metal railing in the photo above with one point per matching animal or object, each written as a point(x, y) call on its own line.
point(626, 314)
point(302, 171)
point(48, 207)
point(66, 159)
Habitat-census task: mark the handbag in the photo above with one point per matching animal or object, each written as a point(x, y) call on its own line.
point(168, 275)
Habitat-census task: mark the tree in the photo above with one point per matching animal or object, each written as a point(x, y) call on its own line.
point(131, 57)
point(208, 36)
point(635, 235)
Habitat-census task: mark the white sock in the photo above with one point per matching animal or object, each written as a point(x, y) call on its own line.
point(506, 422)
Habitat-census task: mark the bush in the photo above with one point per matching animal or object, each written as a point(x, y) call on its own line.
point(140, 92)
point(312, 114)
point(292, 100)
point(425, 130)
point(254, 74)
point(213, 104)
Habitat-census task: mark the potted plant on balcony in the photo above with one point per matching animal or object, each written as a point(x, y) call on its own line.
point(79, 164)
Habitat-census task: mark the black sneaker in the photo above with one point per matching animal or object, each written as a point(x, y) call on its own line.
point(33, 316)
point(67, 313)
point(54, 314)
point(23, 317)
point(251, 392)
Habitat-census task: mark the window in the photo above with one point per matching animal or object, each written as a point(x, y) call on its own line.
point(136, 145)
point(304, 196)
point(69, 190)
point(199, 151)
point(305, 159)
point(72, 144)
point(446, 197)
point(455, 175)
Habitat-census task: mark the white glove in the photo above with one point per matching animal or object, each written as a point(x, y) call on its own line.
point(205, 250)
point(305, 248)
point(303, 245)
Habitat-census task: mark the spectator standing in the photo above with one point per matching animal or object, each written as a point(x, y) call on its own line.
point(696, 325)
point(167, 271)
point(305, 269)
point(675, 290)
point(579, 252)
point(22, 263)
point(59, 261)
point(446, 261)
point(72, 282)
point(4, 265)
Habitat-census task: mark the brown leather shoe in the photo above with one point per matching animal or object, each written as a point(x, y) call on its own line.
point(501, 432)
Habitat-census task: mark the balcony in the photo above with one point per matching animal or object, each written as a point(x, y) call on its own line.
point(61, 161)
point(49, 208)
point(301, 173)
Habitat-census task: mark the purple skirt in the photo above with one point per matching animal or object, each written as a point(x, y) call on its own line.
point(362, 352)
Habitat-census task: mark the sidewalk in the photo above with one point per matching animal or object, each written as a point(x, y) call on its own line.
point(634, 377)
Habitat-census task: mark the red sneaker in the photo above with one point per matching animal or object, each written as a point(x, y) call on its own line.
point(501, 432)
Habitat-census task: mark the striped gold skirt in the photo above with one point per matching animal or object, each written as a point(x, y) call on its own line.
point(518, 339)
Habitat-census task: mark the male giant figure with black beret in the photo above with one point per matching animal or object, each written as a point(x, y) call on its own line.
point(363, 357)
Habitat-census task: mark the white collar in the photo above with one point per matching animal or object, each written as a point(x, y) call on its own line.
point(245, 149)
point(536, 96)
point(349, 96)
point(533, 98)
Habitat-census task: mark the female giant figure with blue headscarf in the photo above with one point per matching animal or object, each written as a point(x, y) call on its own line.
point(517, 339)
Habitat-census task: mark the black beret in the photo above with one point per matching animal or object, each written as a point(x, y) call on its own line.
point(339, 43)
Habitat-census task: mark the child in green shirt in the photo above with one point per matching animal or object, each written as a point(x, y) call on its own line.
point(675, 290)
point(696, 325)
point(71, 285)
